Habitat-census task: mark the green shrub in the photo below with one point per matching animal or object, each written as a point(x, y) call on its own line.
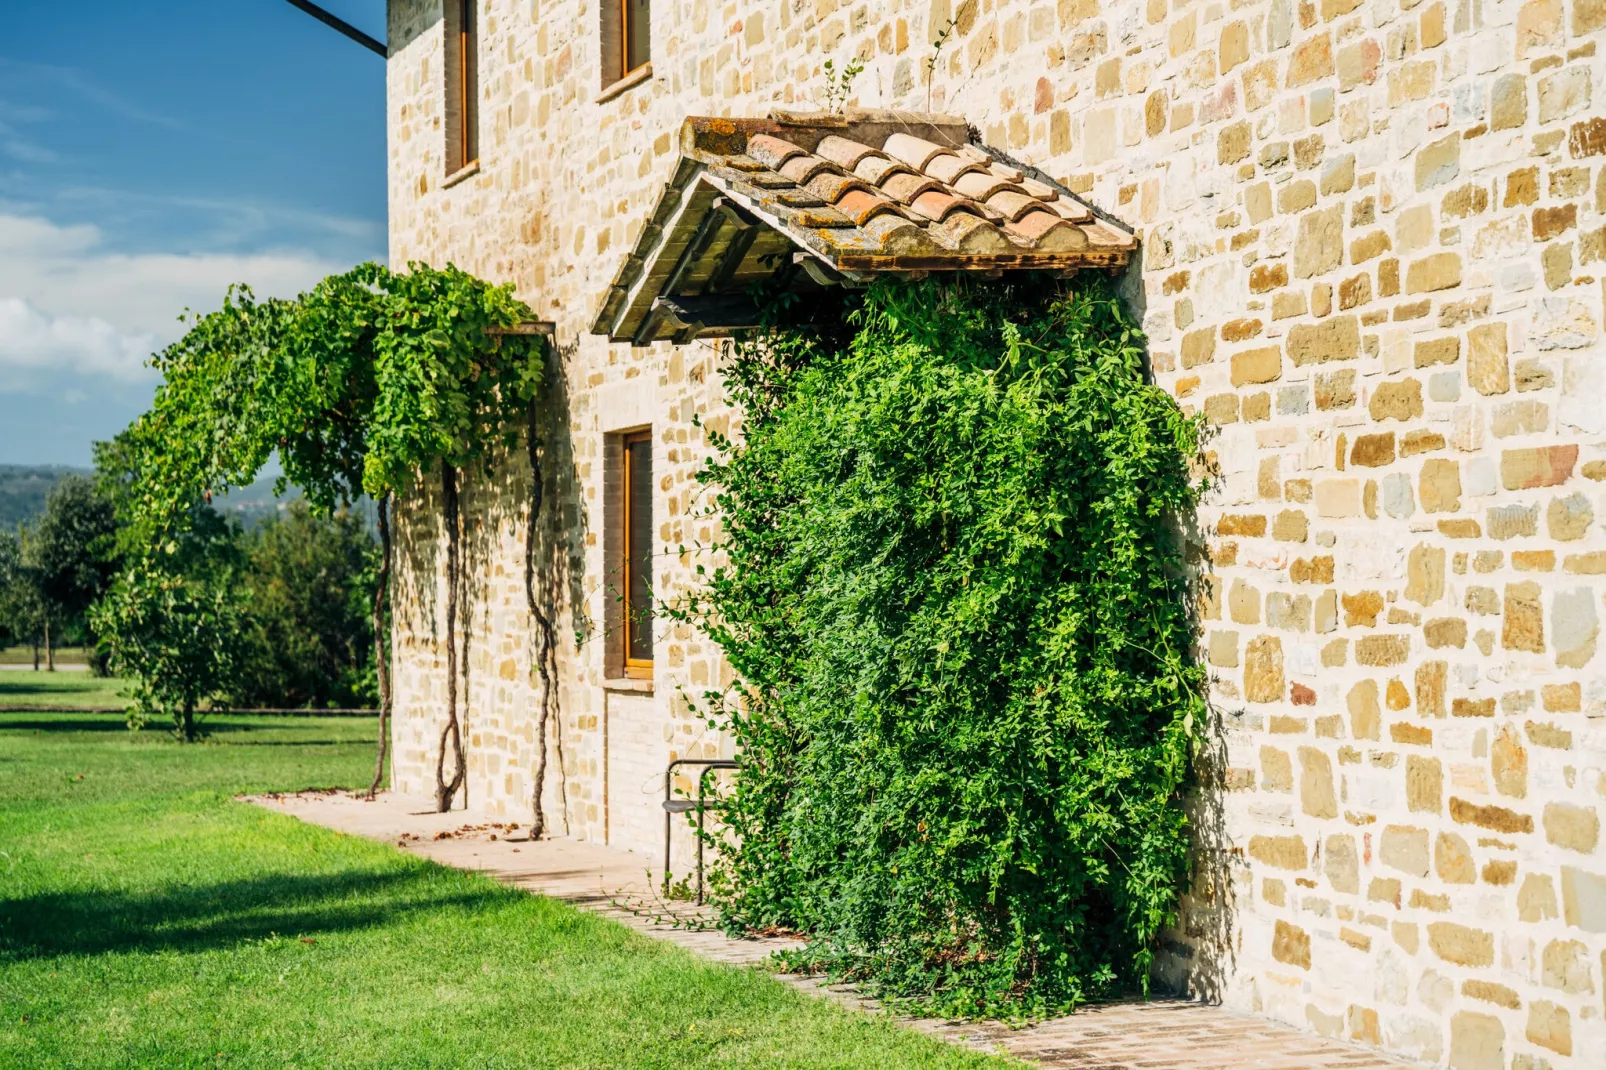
point(953, 588)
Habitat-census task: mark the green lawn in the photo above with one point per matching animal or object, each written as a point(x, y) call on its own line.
point(148, 920)
point(23, 655)
point(50, 690)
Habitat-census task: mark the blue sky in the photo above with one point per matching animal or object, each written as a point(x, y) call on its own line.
point(151, 154)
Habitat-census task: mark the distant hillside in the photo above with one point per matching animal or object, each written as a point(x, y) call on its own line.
point(23, 488)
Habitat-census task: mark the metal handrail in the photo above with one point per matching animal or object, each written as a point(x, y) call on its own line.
point(709, 765)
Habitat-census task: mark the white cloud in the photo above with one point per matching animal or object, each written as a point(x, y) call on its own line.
point(33, 341)
point(69, 305)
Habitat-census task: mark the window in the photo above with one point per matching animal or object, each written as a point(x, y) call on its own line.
point(637, 27)
point(462, 85)
point(626, 39)
point(635, 542)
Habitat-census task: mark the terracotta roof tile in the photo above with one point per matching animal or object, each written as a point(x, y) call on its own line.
point(978, 185)
point(845, 152)
point(802, 168)
point(848, 196)
point(934, 204)
point(771, 151)
point(917, 152)
point(1012, 205)
point(946, 167)
point(862, 206)
point(905, 187)
point(878, 169)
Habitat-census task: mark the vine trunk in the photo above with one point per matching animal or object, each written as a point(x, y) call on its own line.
point(381, 659)
point(445, 789)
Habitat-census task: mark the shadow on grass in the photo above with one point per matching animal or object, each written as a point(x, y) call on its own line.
point(66, 723)
point(207, 916)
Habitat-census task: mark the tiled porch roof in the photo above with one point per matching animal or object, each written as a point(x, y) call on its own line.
point(836, 199)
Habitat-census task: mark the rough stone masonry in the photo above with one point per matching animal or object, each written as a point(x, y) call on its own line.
point(1373, 254)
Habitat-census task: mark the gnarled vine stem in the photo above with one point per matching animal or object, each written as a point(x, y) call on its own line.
point(546, 649)
point(381, 646)
point(445, 789)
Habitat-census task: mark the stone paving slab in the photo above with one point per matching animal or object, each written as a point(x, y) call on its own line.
point(1161, 1034)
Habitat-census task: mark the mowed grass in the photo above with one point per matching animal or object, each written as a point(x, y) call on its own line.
point(52, 690)
point(23, 655)
point(148, 920)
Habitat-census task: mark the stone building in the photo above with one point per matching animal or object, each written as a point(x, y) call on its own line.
point(1366, 238)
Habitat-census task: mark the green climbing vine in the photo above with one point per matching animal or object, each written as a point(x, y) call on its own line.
point(953, 589)
point(365, 384)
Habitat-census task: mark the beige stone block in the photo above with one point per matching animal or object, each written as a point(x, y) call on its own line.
point(1563, 92)
point(1424, 573)
point(1263, 670)
point(1373, 451)
point(1536, 899)
point(1319, 244)
point(1406, 849)
point(1460, 944)
point(1290, 525)
point(1524, 624)
point(1583, 899)
point(1508, 105)
point(1280, 852)
point(1243, 603)
point(1439, 486)
point(1575, 626)
point(1267, 276)
point(1564, 965)
point(1550, 1026)
point(1365, 715)
point(1382, 650)
point(1477, 1042)
point(1487, 370)
point(1437, 351)
point(1432, 681)
point(1445, 632)
point(1342, 864)
point(1317, 796)
point(1276, 770)
point(1452, 859)
point(1546, 466)
point(1233, 48)
point(1440, 271)
point(1439, 162)
point(1424, 784)
point(1232, 143)
point(1296, 197)
point(1223, 649)
point(1263, 365)
point(1568, 519)
point(1312, 59)
point(1577, 828)
point(1198, 347)
point(1338, 338)
point(1291, 945)
point(1400, 400)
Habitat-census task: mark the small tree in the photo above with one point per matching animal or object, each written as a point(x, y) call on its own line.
point(175, 636)
point(310, 579)
point(23, 617)
point(71, 551)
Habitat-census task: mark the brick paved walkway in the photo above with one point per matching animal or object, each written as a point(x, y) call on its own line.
point(1159, 1035)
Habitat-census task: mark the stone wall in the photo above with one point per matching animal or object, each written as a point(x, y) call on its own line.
point(1374, 234)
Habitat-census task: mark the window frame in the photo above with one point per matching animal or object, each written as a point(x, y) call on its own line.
point(625, 69)
point(634, 668)
point(462, 86)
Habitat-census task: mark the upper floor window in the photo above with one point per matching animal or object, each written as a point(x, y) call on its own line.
point(626, 38)
point(462, 85)
point(635, 544)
